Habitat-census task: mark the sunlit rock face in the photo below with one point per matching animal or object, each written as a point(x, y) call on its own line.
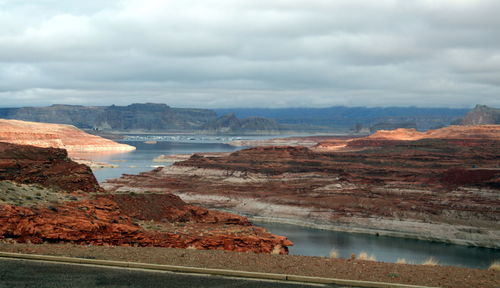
point(46, 197)
point(62, 136)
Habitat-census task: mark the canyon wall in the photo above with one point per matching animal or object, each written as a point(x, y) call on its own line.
point(56, 136)
point(46, 197)
point(441, 189)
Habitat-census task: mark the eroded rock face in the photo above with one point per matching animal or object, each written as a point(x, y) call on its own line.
point(483, 132)
point(49, 167)
point(62, 136)
point(170, 208)
point(101, 222)
point(436, 189)
point(64, 211)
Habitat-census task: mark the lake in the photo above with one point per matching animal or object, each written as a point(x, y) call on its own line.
point(308, 241)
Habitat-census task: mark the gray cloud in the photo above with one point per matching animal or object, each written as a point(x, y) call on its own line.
point(250, 52)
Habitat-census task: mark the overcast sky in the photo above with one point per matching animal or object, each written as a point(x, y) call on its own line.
point(250, 53)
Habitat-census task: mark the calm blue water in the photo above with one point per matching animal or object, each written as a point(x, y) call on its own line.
point(315, 242)
point(141, 160)
point(308, 241)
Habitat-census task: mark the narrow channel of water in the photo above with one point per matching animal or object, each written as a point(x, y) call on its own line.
point(315, 242)
point(308, 241)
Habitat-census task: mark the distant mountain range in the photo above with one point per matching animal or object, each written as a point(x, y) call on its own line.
point(358, 118)
point(150, 118)
point(139, 118)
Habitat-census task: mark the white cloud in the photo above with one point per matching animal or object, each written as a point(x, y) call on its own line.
point(231, 53)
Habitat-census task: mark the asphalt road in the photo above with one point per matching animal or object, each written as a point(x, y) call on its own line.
point(28, 273)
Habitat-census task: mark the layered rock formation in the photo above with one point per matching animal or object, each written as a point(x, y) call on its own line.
point(100, 221)
point(436, 189)
point(44, 197)
point(467, 135)
point(451, 132)
point(49, 167)
point(56, 136)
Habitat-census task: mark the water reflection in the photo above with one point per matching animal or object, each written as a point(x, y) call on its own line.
point(141, 160)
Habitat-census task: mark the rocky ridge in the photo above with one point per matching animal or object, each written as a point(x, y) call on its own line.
point(142, 117)
point(46, 197)
point(397, 183)
point(56, 136)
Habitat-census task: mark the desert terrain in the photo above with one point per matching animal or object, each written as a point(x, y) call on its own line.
point(441, 185)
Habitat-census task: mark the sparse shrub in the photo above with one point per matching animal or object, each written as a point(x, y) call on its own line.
point(366, 257)
point(28, 198)
point(334, 253)
point(393, 274)
point(363, 256)
point(353, 256)
point(495, 266)
point(431, 262)
point(276, 250)
point(401, 261)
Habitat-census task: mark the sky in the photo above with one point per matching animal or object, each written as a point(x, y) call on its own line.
point(250, 53)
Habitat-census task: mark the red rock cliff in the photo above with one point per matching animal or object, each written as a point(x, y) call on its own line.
point(56, 136)
point(49, 167)
point(59, 214)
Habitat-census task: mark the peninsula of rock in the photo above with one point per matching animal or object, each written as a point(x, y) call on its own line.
point(440, 185)
point(63, 136)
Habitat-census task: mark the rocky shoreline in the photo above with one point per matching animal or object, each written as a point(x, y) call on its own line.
point(440, 189)
point(444, 233)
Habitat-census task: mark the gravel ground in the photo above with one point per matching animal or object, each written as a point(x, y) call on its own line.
point(438, 276)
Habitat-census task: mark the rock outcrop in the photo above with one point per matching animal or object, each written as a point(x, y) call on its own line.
point(49, 167)
point(442, 189)
point(231, 124)
point(101, 222)
point(481, 115)
point(44, 197)
point(56, 136)
point(485, 132)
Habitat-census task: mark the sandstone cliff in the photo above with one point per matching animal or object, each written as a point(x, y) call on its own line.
point(450, 132)
point(46, 197)
point(49, 167)
point(442, 189)
point(56, 136)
